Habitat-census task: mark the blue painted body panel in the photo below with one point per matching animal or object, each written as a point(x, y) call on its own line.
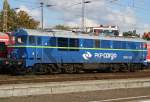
point(109, 51)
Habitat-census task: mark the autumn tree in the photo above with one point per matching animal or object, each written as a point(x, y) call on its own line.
point(25, 21)
point(17, 20)
point(146, 36)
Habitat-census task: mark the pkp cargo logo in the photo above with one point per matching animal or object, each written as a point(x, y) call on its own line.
point(87, 55)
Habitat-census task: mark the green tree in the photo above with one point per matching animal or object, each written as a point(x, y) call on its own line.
point(62, 27)
point(1, 21)
point(131, 34)
point(17, 20)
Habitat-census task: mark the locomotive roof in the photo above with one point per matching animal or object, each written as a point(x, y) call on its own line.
point(2, 34)
point(70, 34)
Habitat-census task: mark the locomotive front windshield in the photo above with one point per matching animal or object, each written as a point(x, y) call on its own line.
point(21, 40)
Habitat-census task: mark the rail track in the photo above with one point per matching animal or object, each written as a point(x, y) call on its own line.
point(8, 79)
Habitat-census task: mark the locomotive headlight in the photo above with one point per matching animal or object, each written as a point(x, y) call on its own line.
point(19, 62)
point(24, 56)
point(6, 62)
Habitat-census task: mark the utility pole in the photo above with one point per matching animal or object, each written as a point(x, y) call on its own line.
point(5, 15)
point(42, 20)
point(133, 5)
point(83, 15)
point(42, 13)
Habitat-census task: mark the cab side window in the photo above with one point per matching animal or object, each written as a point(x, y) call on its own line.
point(39, 41)
point(20, 40)
point(73, 43)
point(63, 44)
point(31, 40)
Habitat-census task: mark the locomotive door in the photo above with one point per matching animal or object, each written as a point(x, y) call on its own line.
point(32, 51)
point(38, 50)
point(35, 51)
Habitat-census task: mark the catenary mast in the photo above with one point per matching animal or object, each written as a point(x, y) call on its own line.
point(5, 15)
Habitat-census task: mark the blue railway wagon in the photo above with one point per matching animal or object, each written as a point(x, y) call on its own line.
point(71, 52)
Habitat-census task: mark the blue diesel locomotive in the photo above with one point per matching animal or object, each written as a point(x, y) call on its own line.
point(70, 52)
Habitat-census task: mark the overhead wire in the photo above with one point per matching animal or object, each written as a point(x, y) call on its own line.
point(145, 17)
point(135, 7)
point(139, 17)
point(67, 8)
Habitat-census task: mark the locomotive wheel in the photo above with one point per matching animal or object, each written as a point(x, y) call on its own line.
point(18, 70)
point(78, 68)
point(69, 69)
point(114, 69)
point(48, 69)
point(138, 67)
point(132, 68)
point(40, 69)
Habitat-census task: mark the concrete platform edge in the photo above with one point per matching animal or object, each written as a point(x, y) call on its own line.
point(69, 87)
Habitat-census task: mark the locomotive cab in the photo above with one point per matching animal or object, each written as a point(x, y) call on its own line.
point(25, 51)
point(18, 53)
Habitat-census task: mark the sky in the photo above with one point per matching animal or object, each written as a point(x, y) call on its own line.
point(127, 14)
